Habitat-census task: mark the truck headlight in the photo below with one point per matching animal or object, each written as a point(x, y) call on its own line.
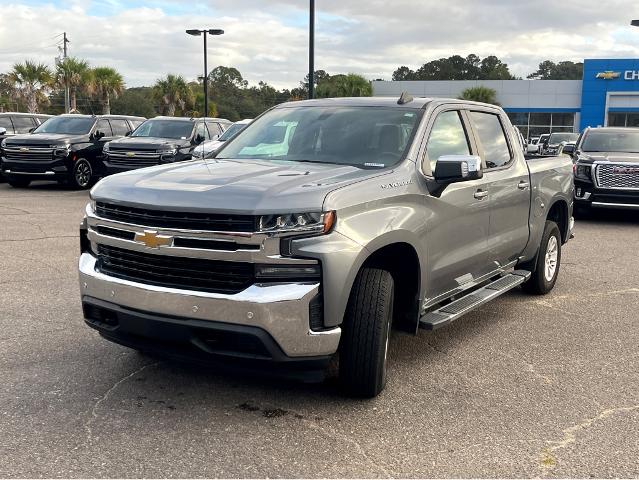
point(3, 143)
point(297, 222)
point(92, 206)
point(168, 151)
point(106, 148)
point(62, 151)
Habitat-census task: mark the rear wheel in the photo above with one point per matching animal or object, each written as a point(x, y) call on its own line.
point(18, 182)
point(82, 174)
point(366, 334)
point(546, 270)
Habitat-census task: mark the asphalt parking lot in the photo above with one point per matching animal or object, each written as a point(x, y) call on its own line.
point(524, 387)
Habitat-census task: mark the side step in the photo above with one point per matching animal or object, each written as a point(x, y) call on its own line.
point(446, 314)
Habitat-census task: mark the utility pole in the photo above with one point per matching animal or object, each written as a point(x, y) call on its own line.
point(311, 52)
point(206, 82)
point(65, 40)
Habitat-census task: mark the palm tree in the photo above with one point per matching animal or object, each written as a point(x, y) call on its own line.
point(74, 74)
point(173, 91)
point(480, 94)
point(32, 80)
point(106, 83)
point(353, 85)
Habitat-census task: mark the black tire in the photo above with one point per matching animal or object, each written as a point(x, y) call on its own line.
point(365, 333)
point(540, 282)
point(82, 175)
point(18, 182)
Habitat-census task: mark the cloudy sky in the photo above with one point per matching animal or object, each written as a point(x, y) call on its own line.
point(267, 39)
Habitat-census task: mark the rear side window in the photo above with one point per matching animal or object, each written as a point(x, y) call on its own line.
point(136, 123)
point(120, 127)
point(492, 137)
point(23, 124)
point(202, 131)
point(214, 128)
point(447, 137)
point(5, 122)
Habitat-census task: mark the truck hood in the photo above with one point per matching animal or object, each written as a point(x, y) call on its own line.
point(230, 186)
point(40, 139)
point(611, 157)
point(147, 143)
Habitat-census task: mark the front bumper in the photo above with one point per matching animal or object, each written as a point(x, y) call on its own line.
point(588, 195)
point(279, 310)
point(36, 169)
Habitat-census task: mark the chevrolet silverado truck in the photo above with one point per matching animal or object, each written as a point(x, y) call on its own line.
point(607, 169)
point(378, 213)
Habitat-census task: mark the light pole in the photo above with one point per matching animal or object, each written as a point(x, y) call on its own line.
point(311, 51)
point(197, 33)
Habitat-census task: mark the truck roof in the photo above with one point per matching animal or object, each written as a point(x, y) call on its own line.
point(79, 115)
point(416, 103)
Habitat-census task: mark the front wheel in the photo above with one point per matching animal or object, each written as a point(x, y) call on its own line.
point(366, 332)
point(82, 174)
point(546, 270)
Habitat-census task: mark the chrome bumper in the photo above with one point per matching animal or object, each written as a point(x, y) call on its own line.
point(282, 310)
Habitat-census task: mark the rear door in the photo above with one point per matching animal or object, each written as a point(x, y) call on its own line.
point(508, 184)
point(23, 124)
point(457, 236)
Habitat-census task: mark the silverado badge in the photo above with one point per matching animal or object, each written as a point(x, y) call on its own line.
point(608, 75)
point(151, 239)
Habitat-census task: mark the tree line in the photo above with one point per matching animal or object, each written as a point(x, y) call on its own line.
point(34, 87)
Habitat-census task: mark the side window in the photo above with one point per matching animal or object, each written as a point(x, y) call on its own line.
point(202, 131)
point(104, 127)
point(135, 123)
point(120, 127)
point(23, 124)
point(5, 122)
point(447, 137)
point(493, 139)
point(214, 128)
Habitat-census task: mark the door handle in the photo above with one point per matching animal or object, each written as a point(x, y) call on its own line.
point(480, 194)
point(523, 185)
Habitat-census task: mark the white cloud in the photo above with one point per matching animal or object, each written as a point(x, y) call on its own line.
point(267, 40)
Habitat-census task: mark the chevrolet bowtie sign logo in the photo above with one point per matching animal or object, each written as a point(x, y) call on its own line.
point(608, 75)
point(151, 239)
point(130, 154)
point(24, 149)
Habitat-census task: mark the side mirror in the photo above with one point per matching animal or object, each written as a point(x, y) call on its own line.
point(32, 129)
point(568, 149)
point(457, 168)
point(3, 131)
point(199, 139)
point(128, 133)
point(215, 137)
point(97, 135)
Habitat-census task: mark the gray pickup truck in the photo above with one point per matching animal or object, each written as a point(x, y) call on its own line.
point(318, 228)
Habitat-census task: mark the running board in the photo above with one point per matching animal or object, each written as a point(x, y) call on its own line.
point(446, 314)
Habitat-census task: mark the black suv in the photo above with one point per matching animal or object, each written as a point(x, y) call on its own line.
point(161, 140)
point(607, 169)
point(66, 148)
point(12, 123)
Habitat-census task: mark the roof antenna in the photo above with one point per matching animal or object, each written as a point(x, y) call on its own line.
point(404, 98)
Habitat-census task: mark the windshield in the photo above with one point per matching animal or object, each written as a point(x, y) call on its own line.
point(177, 129)
point(360, 136)
point(603, 141)
point(562, 137)
point(68, 125)
point(232, 131)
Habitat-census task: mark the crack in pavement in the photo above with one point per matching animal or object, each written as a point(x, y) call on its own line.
point(39, 238)
point(548, 457)
point(94, 415)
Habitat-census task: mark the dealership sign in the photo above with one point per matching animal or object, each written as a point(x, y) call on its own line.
point(627, 75)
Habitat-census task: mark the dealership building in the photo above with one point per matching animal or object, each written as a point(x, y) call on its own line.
point(608, 95)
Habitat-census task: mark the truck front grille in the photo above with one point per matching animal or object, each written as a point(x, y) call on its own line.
point(625, 177)
point(28, 153)
point(216, 222)
point(133, 159)
point(175, 272)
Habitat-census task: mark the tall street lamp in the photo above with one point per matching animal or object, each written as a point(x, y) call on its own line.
point(197, 33)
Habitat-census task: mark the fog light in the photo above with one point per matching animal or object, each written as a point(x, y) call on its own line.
point(287, 272)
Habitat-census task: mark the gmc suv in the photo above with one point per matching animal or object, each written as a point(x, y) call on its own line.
point(607, 169)
point(374, 212)
point(66, 148)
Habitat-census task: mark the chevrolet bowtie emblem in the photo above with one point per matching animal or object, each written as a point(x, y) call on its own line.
point(608, 75)
point(151, 239)
point(130, 154)
point(24, 149)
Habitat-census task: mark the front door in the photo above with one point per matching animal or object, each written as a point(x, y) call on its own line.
point(456, 241)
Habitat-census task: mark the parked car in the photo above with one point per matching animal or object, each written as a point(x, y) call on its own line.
point(556, 139)
point(208, 149)
point(542, 143)
point(372, 213)
point(12, 123)
point(66, 148)
point(161, 140)
point(533, 145)
point(607, 169)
